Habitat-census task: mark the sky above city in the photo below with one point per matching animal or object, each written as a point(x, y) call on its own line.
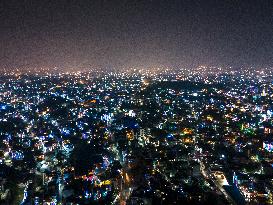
point(135, 33)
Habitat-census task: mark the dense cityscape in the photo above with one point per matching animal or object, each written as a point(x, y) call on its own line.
point(152, 136)
point(136, 102)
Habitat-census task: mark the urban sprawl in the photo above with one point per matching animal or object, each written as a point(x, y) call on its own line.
point(157, 136)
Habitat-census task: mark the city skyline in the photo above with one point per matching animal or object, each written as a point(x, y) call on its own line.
point(136, 102)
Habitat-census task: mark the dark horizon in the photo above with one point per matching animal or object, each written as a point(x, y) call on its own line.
point(120, 34)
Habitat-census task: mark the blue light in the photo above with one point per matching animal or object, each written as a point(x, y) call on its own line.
point(170, 136)
point(3, 107)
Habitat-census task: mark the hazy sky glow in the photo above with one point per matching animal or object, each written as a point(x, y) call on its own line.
point(135, 33)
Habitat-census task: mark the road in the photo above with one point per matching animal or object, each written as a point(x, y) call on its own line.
point(216, 183)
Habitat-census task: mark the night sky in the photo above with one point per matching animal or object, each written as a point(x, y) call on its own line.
point(135, 33)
